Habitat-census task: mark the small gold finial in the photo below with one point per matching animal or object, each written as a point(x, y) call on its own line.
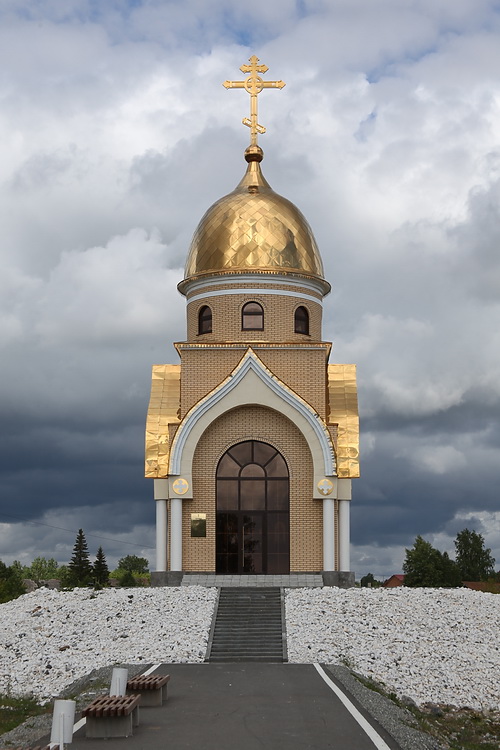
point(254, 85)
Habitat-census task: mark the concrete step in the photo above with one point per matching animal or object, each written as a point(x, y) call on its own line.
point(248, 626)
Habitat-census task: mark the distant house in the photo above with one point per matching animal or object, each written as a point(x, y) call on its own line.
point(393, 581)
point(493, 588)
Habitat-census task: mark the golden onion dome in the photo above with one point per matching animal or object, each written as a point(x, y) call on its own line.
point(253, 230)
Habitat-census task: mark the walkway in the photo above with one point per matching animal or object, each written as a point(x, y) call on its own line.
point(248, 706)
point(291, 581)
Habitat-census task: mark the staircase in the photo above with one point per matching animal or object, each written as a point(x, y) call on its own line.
point(248, 626)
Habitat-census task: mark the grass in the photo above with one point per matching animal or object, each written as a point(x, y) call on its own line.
point(456, 728)
point(462, 728)
point(13, 711)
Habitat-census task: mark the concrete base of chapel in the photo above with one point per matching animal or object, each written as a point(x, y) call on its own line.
point(166, 578)
point(342, 579)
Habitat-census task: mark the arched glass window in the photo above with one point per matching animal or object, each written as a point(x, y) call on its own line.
point(253, 510)
point(301, 320)
point(205, 320)
point(252, 317)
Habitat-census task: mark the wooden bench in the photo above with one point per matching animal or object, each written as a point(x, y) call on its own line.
point(151, 688)
point(112, 716)
point(37, 747)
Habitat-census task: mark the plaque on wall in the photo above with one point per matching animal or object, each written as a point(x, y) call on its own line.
point(198, 524)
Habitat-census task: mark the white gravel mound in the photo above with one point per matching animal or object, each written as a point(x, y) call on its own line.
point(48, 639)
point(432, 645)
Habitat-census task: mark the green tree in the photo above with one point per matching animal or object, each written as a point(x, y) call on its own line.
point(450, 572)
point(369, 579)
point(100, 570)
point(64, 577)
point(42, 569)
point(79, 567)
point(11, 583)
point(134, 564)
point(426, 566)
point(473, 559)
point(128, 579)
point(21, 570)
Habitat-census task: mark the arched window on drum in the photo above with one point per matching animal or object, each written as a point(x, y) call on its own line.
point(252, 317)
point(301, 323)
point(205, 320)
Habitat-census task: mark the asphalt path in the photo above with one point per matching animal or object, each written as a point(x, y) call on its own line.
point(250, 706)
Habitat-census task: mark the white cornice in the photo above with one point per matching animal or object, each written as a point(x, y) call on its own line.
point(252, 279)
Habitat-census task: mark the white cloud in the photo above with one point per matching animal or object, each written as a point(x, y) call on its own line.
point(439, 459)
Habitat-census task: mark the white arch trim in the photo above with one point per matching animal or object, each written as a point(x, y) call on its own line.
point(252, 383)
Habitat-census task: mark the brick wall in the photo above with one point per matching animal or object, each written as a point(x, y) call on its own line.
point(303, 370)
point(278, 318)
point(306, 514)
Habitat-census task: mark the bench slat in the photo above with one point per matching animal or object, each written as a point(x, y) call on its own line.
point(148, 682)
point(112, 705)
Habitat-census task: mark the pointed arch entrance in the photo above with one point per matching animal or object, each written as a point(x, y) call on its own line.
point(253, 510)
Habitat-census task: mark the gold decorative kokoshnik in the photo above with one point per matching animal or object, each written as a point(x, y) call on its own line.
point(343, 400)
point(254, 85)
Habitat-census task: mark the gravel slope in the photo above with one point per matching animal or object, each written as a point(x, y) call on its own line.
point(432, 645)
point(48, 639)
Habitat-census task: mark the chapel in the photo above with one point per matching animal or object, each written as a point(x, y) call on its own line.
point(252, 439)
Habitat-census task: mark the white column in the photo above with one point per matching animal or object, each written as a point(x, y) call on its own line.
point(176, 533)
point(161, 535)
point(344, 535)
point(328, 533)
point(161, 497)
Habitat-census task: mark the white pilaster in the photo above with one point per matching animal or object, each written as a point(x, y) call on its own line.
point(344, 535)
point(161, 535)
point(328, 533)
point(161, 497)
point(176, 534)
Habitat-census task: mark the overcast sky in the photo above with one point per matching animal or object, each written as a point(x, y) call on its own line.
point(116, 135)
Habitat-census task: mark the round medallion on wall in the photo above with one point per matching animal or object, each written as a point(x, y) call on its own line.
point(180, 486)
point(325, 487)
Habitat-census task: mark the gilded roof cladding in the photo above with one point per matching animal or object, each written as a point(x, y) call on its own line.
point(163, 410)
point(343, 399)
point(164, 405)
point(253, 228)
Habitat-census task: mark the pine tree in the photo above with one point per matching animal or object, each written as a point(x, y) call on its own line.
point(100, 570)
point(473, 559)
point(80, 568)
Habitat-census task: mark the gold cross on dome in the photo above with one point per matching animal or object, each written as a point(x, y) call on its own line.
point(254, 85)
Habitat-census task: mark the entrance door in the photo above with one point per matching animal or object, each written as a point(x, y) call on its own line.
point(253, 510)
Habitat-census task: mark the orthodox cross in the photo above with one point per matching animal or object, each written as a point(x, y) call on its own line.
point(254, 85)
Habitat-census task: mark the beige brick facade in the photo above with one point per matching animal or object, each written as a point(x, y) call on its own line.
point(272, 385)
point(303, 370)
point(279, 313)
point(271, 427)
